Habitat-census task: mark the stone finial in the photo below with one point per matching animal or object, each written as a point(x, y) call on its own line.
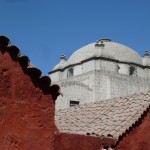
point(99, 44)
point(146, 53)
point(63, 58)
point(146, 60)
point(102, 44)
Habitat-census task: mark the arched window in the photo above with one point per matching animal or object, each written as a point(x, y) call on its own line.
point(132, 70)
point(70, 72)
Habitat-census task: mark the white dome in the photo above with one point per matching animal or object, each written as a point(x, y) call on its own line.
point(106, 49)
point(109, 50)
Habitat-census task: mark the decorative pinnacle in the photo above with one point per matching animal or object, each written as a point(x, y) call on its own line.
point(146, 53)
point(99, 43)
point(63, 56)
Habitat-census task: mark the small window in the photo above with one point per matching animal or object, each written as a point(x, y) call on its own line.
point(70, 72)
point(74, 103)
point(132, 70)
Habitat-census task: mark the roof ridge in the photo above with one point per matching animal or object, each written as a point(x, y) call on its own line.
point(42, 81)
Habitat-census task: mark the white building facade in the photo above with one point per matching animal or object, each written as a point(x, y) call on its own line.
point(98, 71)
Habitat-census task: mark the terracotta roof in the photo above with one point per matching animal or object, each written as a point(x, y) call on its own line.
point(107, 118)
point(43, 82)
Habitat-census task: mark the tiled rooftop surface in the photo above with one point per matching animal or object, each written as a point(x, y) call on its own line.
point(104, 118)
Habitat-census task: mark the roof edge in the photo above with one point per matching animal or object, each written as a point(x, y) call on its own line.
point(43, 82)
point(133, 126)
point(96, 58)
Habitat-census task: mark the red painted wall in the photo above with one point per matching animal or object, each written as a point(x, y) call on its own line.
point(80, 142)
point(26, 114)
point(138, 138)
point(27, 118)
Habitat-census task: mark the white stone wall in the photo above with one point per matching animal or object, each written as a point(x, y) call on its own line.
point(98, 85)
point(108, 65)
point(100, 65)
point(141, 72)
point(96, 80)
point(88, 66)
point(123, 68)
point(56, 76)
point(85, 78)
point(77, 69)
point(111, 85)
point(102, 88)
point(64, 74)
point(75, 91)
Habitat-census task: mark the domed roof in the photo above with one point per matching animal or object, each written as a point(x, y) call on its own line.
point(105, 48)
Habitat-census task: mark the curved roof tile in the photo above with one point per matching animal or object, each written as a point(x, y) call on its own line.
point(115, 117)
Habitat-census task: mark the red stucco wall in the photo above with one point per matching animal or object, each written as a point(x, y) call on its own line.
point(138, 138)
point(26, 114)
point(80, 142)
point(27, 118)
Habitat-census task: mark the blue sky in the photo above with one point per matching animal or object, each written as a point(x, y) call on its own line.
point(44, 29)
